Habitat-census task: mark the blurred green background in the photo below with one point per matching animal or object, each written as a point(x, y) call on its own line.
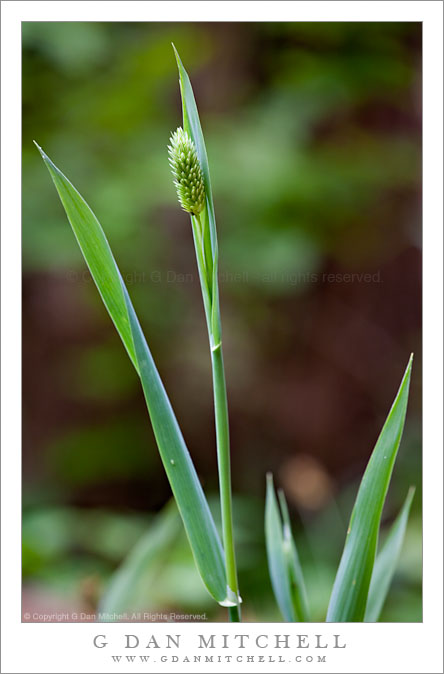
point(313, 133)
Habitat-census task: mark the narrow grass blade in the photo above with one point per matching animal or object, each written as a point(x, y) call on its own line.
point(386, 561)
point(350, 590)
point(96, 251)
point(283, 561)
point(191, 124)
point(277, 561)
point(297, 584)
point(193, 507)
point(150, 549)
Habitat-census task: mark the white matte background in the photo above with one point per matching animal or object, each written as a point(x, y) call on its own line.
point(400, 647)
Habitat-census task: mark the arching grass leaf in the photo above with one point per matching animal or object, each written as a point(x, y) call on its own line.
point(187, 490)
point(350, 590)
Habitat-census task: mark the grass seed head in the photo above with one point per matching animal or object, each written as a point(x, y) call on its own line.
point(187, 173)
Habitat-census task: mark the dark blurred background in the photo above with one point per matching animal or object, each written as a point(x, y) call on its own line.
point(313, 132)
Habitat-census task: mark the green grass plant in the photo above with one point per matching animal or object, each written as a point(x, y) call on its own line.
point(364, 575)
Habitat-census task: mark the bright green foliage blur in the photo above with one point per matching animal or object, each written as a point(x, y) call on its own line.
point(313, 137)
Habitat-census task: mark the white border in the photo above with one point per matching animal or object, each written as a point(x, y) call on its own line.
point(371, 648)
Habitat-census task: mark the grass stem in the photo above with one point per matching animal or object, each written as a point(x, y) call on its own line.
point(221, 418)
point(223, 459)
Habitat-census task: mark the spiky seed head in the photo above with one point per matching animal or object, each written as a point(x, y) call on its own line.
point(187, 173)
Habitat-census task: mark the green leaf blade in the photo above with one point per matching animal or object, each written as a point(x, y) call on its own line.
point(350, 590)
point(296, 577)
point(191, 501)
point(386, 560)
point(283, 561)
point(187, 490)
point(96, 251)
point(277, 561)
point(192, 125)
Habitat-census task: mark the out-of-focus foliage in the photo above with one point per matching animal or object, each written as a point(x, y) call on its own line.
point(313, 136)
